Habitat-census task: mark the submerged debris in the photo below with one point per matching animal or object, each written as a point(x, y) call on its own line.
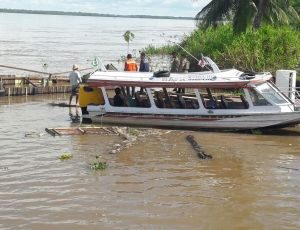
point(256, 131)
point(81, 131)
point(128, 135)
point(33, 134)
point(197, 148)
point(289, 168)
point(61, 104)
point(131, 135)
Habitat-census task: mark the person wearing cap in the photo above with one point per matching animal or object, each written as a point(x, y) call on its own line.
point(130, 64)
point(144, 64)
point(184, 65)
point(75, 80)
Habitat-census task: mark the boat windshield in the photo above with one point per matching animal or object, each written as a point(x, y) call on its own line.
point(270, 94)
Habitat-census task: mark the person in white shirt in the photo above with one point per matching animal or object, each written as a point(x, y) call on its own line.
point(75, 80)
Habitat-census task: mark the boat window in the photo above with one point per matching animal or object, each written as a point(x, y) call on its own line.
point(270, 94)
point(257, 99)
point(229, 98)
point(178, 98)
point(129, 96)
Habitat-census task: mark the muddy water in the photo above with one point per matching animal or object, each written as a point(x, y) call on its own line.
point(253, 181)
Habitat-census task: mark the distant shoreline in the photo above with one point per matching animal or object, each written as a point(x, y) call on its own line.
point(18, 11)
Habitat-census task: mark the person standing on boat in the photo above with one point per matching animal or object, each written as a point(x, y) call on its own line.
point(130, 64)
point(175, 63)
point(184, 65)
point(75, 80)
point(144, 64)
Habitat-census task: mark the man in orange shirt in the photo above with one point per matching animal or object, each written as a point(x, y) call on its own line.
point(130, 64)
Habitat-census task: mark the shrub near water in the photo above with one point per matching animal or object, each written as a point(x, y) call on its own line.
point(266, 49)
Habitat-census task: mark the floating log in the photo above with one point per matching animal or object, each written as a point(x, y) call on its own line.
point(197, 148)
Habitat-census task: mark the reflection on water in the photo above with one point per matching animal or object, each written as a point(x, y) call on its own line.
point(74, 114)
point(252, 182)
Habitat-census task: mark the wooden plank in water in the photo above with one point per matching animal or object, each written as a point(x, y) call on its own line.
point(81, 131)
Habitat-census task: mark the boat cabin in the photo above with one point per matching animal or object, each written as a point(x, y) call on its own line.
point(185, 101)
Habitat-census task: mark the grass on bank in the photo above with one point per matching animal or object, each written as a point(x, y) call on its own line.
point(266, 49)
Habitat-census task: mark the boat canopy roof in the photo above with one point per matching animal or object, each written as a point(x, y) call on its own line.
point(224, 79)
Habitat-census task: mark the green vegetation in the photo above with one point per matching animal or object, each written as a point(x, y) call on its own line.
point(261, 35)
point(296, 5)
point(266, 49)
point(65, 156)
point(98, 165)
point(245, 13)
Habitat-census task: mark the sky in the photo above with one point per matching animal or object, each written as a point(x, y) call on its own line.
point(182, 8)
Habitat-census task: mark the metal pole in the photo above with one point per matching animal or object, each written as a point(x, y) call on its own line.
point(185, 51)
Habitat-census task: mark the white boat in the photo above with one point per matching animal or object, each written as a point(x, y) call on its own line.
point(227, 99)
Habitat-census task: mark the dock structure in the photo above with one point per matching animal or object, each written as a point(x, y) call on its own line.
point(38, 82)
point(13, 85)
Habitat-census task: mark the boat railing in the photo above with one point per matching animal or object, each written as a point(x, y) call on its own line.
point(295, 91)
point(292, 93)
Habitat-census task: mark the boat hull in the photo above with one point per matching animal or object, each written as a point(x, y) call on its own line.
point(242, 122)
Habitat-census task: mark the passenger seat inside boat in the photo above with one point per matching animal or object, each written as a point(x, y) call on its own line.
point(160, 101)
point(224, 103)
point(142, 100)
point(245, 102)
point(181, 101)
point(212, 103)
point(168, 101)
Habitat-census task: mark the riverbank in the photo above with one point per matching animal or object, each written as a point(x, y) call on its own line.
point(266, 49)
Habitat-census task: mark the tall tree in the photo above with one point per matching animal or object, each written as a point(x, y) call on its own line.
point(296, 5)
point(128, 37)
point(244, 13)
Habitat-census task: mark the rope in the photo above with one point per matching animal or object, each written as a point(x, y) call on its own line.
point(40, 72)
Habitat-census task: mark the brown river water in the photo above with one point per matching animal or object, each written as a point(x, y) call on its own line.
point(252, 182)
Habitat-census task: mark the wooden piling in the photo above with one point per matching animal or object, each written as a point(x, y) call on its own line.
point(31, 85)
